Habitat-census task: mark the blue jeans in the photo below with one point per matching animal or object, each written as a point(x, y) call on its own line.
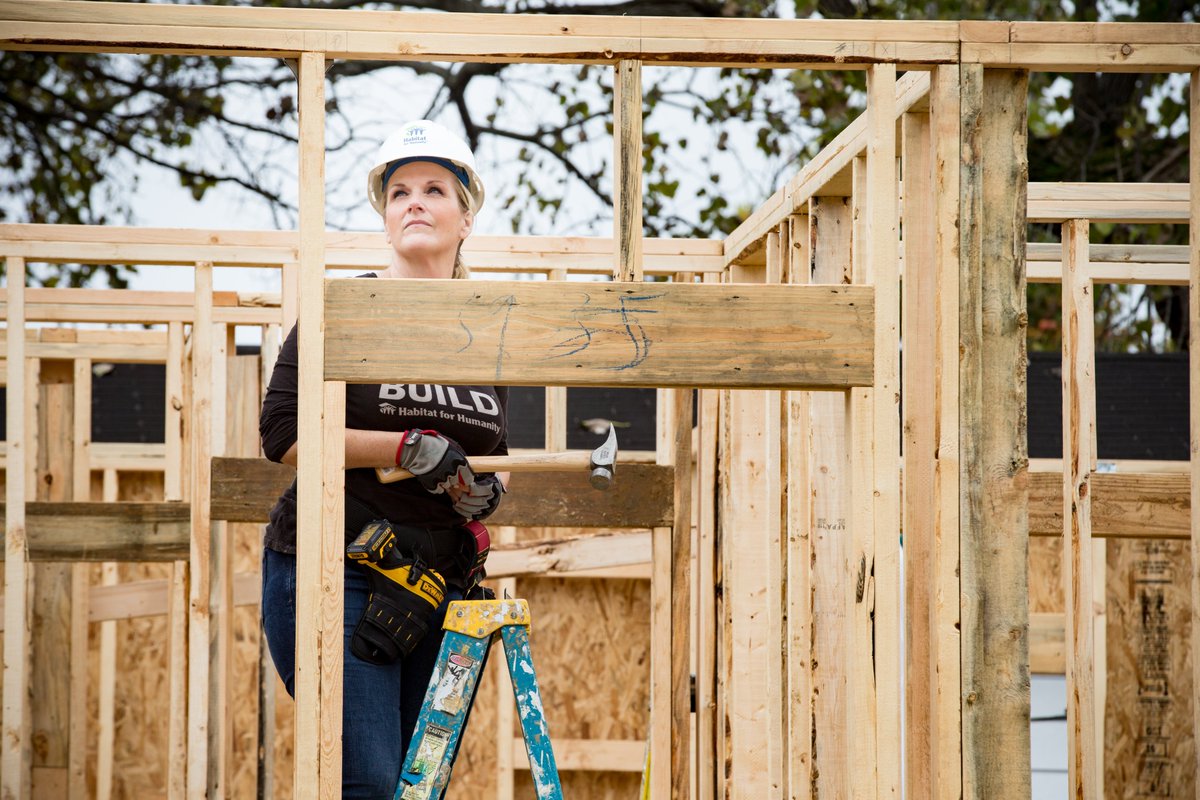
point(380, 704)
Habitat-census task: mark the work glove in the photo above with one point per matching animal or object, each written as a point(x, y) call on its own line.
point(435, 460)
point(481, 498)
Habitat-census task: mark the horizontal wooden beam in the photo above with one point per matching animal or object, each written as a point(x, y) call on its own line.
point(347, 250)
point(245, 489)
point(599, 334)
point(107, 531)
point(132, 306)
point(1127, 505)
point(1141, 264)
point(398, 36)
point(1093, 57)
point(641, 496)
point(1108, 202)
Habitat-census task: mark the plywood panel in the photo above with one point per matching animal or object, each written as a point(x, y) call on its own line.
point(606, 334)
point(1149, 748)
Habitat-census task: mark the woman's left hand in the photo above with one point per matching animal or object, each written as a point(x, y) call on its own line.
point(480, 498)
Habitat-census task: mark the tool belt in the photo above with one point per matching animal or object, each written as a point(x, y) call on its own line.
point(457, 552)
point(406, 589)
point(405, 596)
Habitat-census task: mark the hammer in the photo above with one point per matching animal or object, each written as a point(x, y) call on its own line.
point(602, 462)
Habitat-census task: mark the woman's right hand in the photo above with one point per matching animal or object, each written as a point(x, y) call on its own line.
point(437, 461)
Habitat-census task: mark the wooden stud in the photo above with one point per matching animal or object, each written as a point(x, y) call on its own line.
point(681, 593)
point(178, 611)
point(660, 664)
point(199, 755)
point(172, 472)
point(772, 533)
point(830, 223)
point(1194, 382)
point(797, 556)
point(704, 586)
point(1079, 422)
point(920, 451)
point(80, 490)
point(177, 689)
point(505, 708)
point(944, 625)
point(320, 483)
point(52, 590)
point(627, 170)
point(994, 590)
point(882, 257)
point(748, 501)
point(106, 694)
point(16, 747)
point(220, 731)
point(858, 584)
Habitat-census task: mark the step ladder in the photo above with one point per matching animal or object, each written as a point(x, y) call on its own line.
point(470, 627)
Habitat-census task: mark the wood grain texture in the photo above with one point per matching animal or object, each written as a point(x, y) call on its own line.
point(245, 489)
point(920, 449)
point(200, 449)
point(316, 733)
point(992, 425)
point(945, 626)
point(475, 39)
point(609, 334)
point(52, 583)
point(1194, 388)
point(1078, 435)
point(1150, 734)
point(681, 595)
point(627, 170)
point(1124, 505)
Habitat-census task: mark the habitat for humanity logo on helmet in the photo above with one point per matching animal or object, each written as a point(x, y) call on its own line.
point(415, 135)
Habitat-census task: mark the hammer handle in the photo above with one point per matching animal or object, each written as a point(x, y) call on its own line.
point(538, 462)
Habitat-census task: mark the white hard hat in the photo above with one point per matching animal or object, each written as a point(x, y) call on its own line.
point(424, 141)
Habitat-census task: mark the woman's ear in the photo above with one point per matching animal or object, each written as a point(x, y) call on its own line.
point(468, 224)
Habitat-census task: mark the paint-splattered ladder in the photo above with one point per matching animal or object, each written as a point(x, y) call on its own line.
point(470, 626)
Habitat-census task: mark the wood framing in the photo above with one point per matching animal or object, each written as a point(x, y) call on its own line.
point(15, 748)
point(992, 408)
point(601, 334)
point(1194, 388)
point(1079, 430)
point(785, 601)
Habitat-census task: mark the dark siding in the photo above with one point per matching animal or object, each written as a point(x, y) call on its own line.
point(1142, 408)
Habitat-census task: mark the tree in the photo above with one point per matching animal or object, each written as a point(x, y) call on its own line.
point(717, 142)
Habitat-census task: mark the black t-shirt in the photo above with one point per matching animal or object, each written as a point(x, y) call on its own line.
point(473, 416)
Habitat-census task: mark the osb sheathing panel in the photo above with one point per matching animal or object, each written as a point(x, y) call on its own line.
point(1149, 727)
point(1045, 575)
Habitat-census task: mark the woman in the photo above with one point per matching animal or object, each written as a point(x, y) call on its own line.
point(425, 187)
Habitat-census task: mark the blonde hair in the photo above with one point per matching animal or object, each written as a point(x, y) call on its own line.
point(461, 270)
